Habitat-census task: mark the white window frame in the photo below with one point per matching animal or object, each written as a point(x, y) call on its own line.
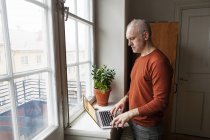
point(50, 69)
point(80, 109)
point(0, 58)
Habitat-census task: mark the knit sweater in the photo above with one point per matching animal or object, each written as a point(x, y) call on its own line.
point(151, 79)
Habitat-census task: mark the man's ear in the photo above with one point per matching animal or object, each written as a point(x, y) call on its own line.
point(146, 35)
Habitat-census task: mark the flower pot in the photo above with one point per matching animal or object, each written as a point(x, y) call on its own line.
point(101, 97)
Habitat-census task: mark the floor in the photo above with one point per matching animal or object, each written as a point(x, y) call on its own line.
point(125, 135)
point(173, 136)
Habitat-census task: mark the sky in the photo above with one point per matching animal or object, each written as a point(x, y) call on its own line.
point(23, 15)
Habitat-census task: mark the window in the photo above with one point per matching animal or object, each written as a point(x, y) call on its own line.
point(2, 62)
point(79, 53)
point(27, 93)
point(24, 60)
point(38, 59)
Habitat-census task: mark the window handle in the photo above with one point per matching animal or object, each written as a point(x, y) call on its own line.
point(66, 12)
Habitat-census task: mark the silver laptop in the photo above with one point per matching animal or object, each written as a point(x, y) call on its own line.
point(101, 117)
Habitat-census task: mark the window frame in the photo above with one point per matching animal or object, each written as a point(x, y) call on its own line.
point(10, 76)
point(69, 119)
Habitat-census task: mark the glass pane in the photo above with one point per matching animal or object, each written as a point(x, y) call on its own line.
point(85, 40)
point(31, 97)
point(27, 35)
point(84, 8)
point(2, 49)
point(85, 79)
point(41, 1)
point(71, 5)
point(6, 129)
point(72, 87)
point(70, 32)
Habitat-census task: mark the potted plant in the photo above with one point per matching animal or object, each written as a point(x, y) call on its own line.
point(102, 77)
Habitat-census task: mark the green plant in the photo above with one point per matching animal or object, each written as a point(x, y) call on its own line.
point(102, 77)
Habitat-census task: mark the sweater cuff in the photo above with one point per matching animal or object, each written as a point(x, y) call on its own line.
point(143, 110)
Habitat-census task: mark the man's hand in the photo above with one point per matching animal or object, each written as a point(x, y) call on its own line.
point(121, 119)
point(119, 106)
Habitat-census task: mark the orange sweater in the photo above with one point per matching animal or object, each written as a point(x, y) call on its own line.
point(150, 86)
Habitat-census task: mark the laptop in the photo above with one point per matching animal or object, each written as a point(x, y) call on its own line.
point(101, 117)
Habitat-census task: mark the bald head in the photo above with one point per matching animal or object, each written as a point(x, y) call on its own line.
point(140, 26)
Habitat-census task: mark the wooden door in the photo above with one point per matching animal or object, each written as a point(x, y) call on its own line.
point(164, 37)
point(193, 98)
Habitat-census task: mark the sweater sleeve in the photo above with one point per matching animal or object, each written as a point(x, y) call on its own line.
point(161, 75)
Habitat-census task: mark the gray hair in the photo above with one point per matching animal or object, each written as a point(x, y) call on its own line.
point(142, 26)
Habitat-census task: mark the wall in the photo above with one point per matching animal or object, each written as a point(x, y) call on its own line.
point(111, 47)
point(159, 10)
point(110, 44)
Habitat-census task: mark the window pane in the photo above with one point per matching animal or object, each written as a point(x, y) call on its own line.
point(85, 40)
point(6, 130)
point(30, 105)
point(71, 5)
point(79, 53)
point(2, 49)
point(31, 97)
point(41, 1)
point(27, 35)
point(70, 33)
point(85, 79)
point(72, 87)
point(84, 8)
point(74, 98)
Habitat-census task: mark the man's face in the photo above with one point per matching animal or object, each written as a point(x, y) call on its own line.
point(135, 39)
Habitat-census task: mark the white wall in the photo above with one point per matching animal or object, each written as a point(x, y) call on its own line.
point(110, 41)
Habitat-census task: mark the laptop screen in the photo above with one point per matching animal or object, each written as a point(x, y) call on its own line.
point(89, 108)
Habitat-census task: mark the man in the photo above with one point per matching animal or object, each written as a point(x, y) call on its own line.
point(150, 85)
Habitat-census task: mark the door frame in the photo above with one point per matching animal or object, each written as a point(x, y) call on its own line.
point(179, 7)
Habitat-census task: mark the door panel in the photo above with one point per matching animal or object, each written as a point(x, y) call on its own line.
point(189, 118)
point(164, 37)
point(193, 98)
point(206, 119)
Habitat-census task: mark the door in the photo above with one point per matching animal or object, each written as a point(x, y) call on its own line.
point(193, 98)
point(164, 37)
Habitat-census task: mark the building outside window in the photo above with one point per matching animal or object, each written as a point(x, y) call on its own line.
point(24, 60)
point(38, 59)
point(27, 94)
point(79, 29)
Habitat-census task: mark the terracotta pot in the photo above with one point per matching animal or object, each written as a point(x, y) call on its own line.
point(101, 97)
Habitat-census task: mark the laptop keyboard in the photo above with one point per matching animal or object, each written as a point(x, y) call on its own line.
point(106, 118)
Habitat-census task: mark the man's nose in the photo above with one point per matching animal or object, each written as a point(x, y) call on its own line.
point(129, 43)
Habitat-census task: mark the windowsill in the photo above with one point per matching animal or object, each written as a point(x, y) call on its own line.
point(85, 126)
point(77, 111)
point(45, 133)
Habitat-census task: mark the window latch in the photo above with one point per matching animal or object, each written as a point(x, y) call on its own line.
point(66, 13)
point(64, 9)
